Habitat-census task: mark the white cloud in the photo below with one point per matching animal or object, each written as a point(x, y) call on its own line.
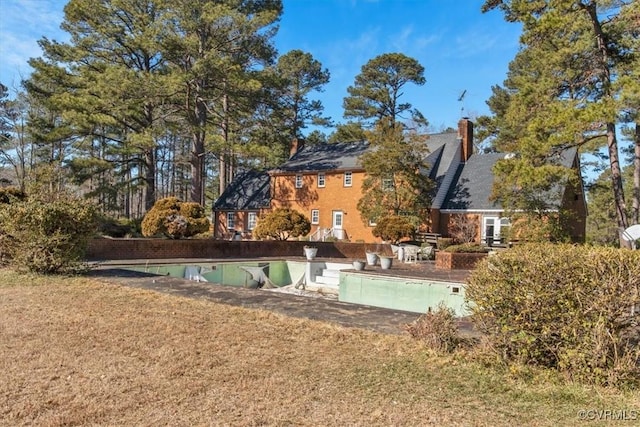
point(22, 24)
point(410, 42)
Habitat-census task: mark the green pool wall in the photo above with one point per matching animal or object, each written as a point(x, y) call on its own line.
point(398, 293)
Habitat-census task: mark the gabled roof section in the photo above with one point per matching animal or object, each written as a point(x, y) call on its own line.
point(248, 191)
point(443, 150)
point(472, 186)
point(325, 157)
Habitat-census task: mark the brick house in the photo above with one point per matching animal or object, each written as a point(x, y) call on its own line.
point(324, 181)
point(236, 213)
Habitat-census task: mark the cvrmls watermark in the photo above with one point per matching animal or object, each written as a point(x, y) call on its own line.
point(609, 414)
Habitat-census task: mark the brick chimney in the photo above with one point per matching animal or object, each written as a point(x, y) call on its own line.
point(296, 145)
point(465, 135)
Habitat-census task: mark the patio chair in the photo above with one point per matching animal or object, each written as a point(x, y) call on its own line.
point(426, 252)
point(411, 252)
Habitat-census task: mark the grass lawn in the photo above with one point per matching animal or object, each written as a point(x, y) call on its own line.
point(77, 351)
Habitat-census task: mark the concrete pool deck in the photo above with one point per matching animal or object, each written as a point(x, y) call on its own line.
point(315, 308)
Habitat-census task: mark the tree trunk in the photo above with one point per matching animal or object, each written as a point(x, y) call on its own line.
point(612, 142)
point(150, 178)
point(635, 200)
point(616, 179)
point(197, 167)
point(197, 148)
point(224, 157)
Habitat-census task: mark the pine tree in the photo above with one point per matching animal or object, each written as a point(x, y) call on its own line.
point(110, 80)
point(561, 90)
point(376, 92)
point(215, 49)
point(395, 183)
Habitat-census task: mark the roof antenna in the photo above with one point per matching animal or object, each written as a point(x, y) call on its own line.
point(460, 99)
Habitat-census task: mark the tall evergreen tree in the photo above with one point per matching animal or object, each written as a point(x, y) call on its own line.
point(395, 183)
point(561, 89)
point(629, 85)
point(300, 74)
point(110, 79)
point(215, 47)
point(376, 92)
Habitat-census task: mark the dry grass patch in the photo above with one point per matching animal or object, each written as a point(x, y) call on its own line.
point(77, 351)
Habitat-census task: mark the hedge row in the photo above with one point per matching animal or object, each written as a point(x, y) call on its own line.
point(572, 308)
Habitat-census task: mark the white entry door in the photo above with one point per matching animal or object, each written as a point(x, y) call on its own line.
point(338, 232)
point(493, 229)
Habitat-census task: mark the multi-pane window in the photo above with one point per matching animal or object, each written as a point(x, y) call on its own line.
point(252, 219)
point(298, 181)
point(347, 179)
point(321, 180)
point(315, 216)
point(231, 220)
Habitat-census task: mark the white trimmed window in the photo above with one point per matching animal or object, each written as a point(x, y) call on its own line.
point(252, 220)
point(298, 181)
point(231, 220)
point(321, 180)
point(315, 216)
point(348, 179)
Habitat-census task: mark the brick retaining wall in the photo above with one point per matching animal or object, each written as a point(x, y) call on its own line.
point(457, 260)
point(115, 249)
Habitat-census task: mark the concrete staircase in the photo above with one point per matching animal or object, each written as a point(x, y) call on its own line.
point(329, 277)
point(328, 281)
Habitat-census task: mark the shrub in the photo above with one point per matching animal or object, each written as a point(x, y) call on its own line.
point(464, 228)
point(466, 248)
point(392, 228)
point(7, 194)
point(118, 227)
point(173, 218)
point(437, 329)
point(281, 224)
point(566, 307)
point(444, 242)
point(46, 236)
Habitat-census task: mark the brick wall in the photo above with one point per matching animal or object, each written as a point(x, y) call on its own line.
point(457, 260)
point(121, 249)
point(333, 196)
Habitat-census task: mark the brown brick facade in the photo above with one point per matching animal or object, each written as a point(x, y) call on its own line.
point(334, 196)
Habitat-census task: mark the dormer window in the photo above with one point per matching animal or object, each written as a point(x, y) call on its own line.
point(298, 181)
point(348, 179)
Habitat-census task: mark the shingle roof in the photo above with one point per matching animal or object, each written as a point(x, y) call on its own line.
point(471, 189)
point(325, 157)
point(442, 151)
point(247, 191)
point(473, 184)
point(345, 156)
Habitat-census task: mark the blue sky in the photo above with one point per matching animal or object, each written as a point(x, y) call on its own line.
point(460, 47)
